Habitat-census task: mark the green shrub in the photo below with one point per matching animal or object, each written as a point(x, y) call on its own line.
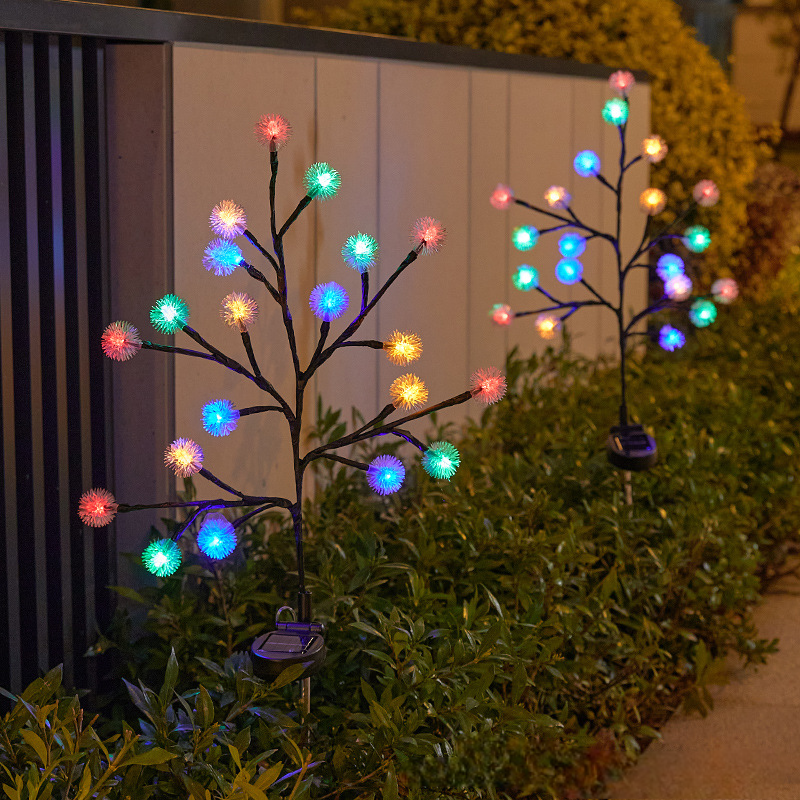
point(520, 631)
point(205, 744)
point(693, 106)
point(773, 219)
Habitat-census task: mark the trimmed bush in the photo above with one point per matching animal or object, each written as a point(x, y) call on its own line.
point(519, 631)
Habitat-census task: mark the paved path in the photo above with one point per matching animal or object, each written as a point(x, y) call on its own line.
point(748, 747)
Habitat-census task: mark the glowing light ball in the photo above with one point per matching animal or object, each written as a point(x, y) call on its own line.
point(322, 181)
point(615, 111)
point(162, 558)
point(408, 392)
point(654, 148)
point(169, 314)
point(524, 237)
point(706, 193)
point(678, 287)
point(652, 201)
point(557, 197)
point(360, 252)
point(222, 256)
point(702, 313)
point(120, 341)
point(501, 314)
point(587, 164)
point(547, 325)
point(621, 82)
point(428, 235)
point(725, 290)
point(228, 220)
point(184, 457)
point(97, 508)
point(216, 537)
point(220, 417)
point(239, 310)
point(526, 278)
point(273, 131)
point(569, 271)
point(402, 347)
point(502, 197)
point(385, 474)
point(670, 338)
point(669, 265)
point(441, 460)
point(571, 245)
point(487, 385)
point(696, 238)
point(328, 301)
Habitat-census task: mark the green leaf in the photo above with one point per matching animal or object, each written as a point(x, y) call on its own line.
point(269, 776)
point(242, 740)
point(131, 594)
point(205, 708)
point(34, 741)
point(390, 785)
point(155, 755)
point(288, 675)
point(170, 679)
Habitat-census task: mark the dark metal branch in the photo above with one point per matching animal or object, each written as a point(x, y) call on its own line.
point(375, 344)
point(209, 476)
point(410, 439)
point(248, 346)
point(264, 252)
point(294, 215)
point(356, 323)
point(364, 289)
point(342, 460)
point(280, 502)
point(633, 161)
point(168, 348)
point(186, 525)
point(575, 305)
point(243, 412)
point(259, 276)
point(260, 510)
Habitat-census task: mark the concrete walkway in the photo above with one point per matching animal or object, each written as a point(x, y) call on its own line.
point(748, 747)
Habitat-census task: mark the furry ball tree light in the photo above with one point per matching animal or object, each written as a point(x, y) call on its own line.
point(628, 447)
point(216, 520)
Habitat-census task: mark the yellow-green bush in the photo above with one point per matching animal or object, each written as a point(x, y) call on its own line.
point(693, 106)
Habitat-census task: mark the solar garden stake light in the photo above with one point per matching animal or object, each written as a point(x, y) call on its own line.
point(299, 641)
point(629, 446)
